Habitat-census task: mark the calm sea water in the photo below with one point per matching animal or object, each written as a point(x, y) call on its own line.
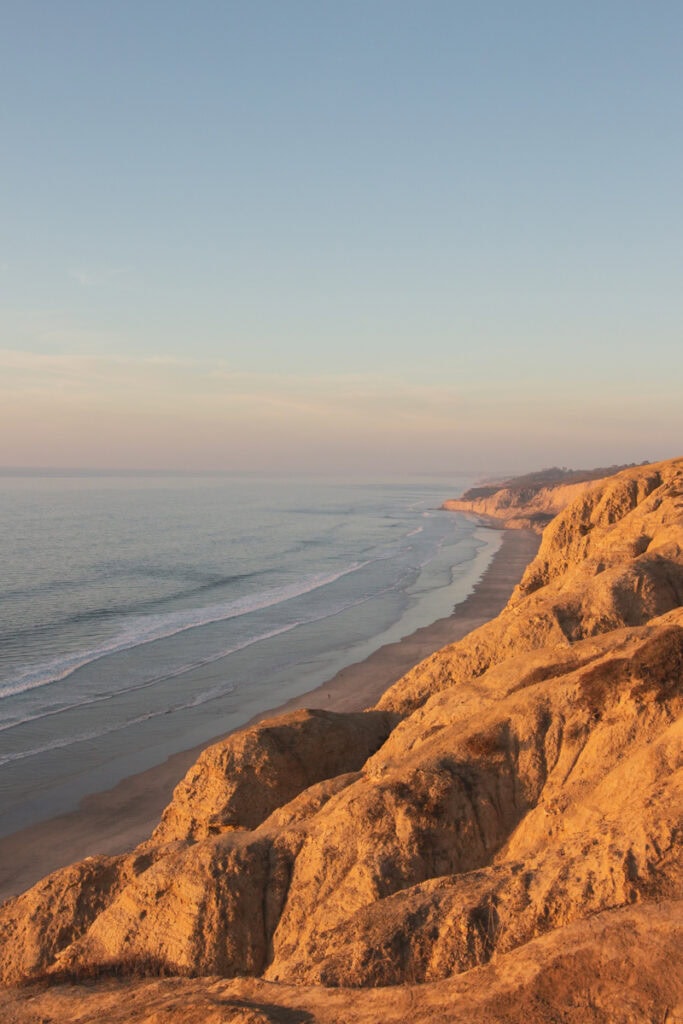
point(141, 616)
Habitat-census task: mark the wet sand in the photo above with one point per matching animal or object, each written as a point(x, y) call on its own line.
point(120, 818)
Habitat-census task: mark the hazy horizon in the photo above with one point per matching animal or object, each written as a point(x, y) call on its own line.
point(372, 238)
point(482, 475)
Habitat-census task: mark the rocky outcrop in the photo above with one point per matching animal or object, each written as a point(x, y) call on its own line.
point(559, 798)
point(174, 901)
point(236, 784)
point(510, 814)
point(37, 925)
point(528, 508)
point(613, 558)
point(531, 501)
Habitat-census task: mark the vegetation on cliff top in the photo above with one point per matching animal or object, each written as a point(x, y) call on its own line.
point(550, 477)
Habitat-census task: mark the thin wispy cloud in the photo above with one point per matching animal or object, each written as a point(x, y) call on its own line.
point(164, 410)
point(214, 383)
point(205, 391)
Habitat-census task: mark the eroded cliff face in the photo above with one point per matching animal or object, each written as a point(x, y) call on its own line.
point(522, 508)
point(516, 800)
point(613, 558)
point(236, 785)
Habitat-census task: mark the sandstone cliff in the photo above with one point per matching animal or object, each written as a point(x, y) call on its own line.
point(500, 839)
point(529, 502)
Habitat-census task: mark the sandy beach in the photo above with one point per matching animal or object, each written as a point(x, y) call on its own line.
point(118, 819)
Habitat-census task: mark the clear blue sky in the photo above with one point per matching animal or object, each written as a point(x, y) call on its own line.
point(359, 235)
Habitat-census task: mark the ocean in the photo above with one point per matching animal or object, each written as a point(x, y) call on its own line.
point(140, 616)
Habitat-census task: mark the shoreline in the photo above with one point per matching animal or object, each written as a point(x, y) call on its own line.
point(120, 818)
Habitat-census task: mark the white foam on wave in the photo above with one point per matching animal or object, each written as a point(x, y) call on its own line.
point(67, 741)
point(146, 629)
point(199, 699)
point(190, 666)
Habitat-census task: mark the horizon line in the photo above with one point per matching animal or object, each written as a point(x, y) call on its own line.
point(91, 471)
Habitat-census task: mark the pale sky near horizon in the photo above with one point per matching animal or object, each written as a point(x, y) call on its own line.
point(360, 236)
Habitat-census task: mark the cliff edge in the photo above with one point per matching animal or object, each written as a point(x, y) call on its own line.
point(531, 501)
point(500, 839)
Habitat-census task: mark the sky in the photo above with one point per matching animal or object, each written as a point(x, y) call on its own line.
point(334, 235)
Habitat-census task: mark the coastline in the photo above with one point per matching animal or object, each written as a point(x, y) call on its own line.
point(118, 819)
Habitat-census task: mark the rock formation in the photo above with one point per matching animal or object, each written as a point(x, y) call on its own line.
point(531, 501)
point(519, 509)
point(500, 839)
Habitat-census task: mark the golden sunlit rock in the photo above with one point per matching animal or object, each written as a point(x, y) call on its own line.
point(500, 839)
